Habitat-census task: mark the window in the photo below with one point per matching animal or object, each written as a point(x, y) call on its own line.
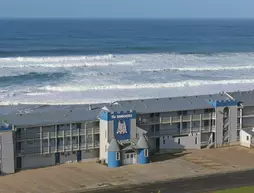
point(157, 114)
point(117, 155)
point(152, 115)
point(157, 127)
point(196, 140)
point(127, 156)
point(247, 138)
point(179, 141)
point(206, 110)
point(178, 125)
point(146, 152)
point(184, 113)
point(238, 133)
point(184, 125)
point(179, 113)
point(206, 123)
point(79, 125)
point(163, 141)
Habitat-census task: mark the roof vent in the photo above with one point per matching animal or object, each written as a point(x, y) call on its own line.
point(20, 114)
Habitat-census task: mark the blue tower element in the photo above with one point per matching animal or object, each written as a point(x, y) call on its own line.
point(114, 156)
point(143, 153)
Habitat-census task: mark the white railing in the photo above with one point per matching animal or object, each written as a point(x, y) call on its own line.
point(176, 119)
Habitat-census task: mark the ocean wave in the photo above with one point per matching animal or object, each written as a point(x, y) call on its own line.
point(188, 83)
point(199, 68)
point(70, 65)
point(31, 76)
point(58, 58)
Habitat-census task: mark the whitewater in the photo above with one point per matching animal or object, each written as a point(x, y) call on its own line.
point(110, 77)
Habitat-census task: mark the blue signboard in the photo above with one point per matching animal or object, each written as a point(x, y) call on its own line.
point(122, 126)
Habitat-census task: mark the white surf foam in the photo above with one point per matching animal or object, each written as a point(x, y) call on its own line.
point(211, 68)
point(121, 72)
point(57, 58)
point(189, 83)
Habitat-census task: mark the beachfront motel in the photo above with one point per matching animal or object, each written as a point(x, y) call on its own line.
point(122, 132)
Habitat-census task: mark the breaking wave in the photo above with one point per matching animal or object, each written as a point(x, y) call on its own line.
point(32, 76)
point(189, 83)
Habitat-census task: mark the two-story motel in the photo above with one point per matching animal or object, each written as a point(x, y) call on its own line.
point(123, 132)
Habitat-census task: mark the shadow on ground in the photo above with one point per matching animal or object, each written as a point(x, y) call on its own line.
point(168, 156)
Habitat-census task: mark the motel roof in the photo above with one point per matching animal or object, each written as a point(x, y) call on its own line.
point(51, 117)
point(172, 104)
point(246, 97)
point(35, 115)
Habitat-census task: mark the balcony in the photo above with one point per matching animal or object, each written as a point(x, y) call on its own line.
point(184, 131)
point(175, 119)
point(248, 115)
point(27, 137)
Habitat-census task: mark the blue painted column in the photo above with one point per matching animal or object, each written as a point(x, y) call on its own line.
point(114, 159)
point(143, 156)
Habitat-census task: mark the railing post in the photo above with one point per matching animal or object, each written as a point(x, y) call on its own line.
point(200, 123)
point(49, 142)
point(56, 139)
point(190, 123)
point(71, 148)
point(41, 137)
point(241, 118)
point(93, 137)
point(63, 141)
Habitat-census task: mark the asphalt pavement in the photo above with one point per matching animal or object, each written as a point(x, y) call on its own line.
point(189, 185)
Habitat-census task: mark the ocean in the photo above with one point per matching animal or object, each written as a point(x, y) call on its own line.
point(67, 61)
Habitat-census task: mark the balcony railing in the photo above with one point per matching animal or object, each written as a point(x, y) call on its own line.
point(175, 119)
point(184, 131)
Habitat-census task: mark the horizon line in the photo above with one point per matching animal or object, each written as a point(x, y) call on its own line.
point(129, 18)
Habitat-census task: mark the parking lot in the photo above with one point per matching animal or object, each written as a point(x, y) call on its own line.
point(83, 176)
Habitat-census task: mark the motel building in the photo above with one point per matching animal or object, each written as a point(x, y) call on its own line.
point(124, 132)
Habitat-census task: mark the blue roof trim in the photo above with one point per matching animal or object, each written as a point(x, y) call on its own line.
point(223, 103)
point(5, 126)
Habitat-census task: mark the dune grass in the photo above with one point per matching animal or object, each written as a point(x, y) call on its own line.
point(245, 189)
